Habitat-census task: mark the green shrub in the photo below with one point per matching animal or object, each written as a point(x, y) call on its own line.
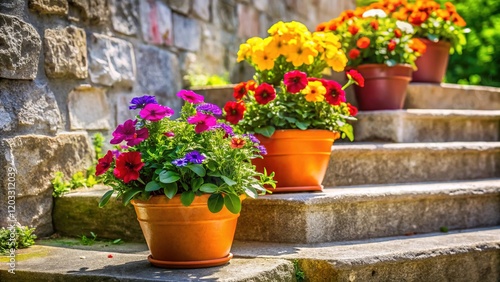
point(24, 237)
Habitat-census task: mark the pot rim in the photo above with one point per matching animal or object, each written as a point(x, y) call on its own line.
point(292, 133)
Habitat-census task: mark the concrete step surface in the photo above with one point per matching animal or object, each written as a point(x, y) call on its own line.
point(382, 163)
point(468, 255)
point(452, 96)
point(427, 125)
point(71, 261)
point(337, 214)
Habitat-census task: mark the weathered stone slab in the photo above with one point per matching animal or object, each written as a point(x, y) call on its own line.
point(88, 108)
point(382, 163)
point(187, 33)
point(112, 61)
point(82, 8)
point(225, 14)
point(248, 18)
point(66, 53)
point(55, 7)
point(180, 6)
point(158, 73)
point(201, 9)
point(98, 11)
point(20, 47)
point(156, 22)
point(124, 16)
point(36, 158)
point(422, 125)
point(32, 109)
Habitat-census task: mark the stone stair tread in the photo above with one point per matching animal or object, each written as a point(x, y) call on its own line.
point(438, 113)
point(440, 146)
point(47, 262)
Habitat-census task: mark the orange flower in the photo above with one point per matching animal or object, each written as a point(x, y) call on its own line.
point(398, 33)
point(444, 14)
point(458, 20)
point(237, 143)
point(363, 42)
point(353, 53)
point(321, 27)
point(374, 24)
point(353, 29)
point(391, 46)
point(251, 85)
point(417, 46)
point(417, 17)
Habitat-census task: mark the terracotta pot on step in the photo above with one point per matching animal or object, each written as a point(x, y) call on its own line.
point(185, 237)
point(299, 158)
point(433, 63)
point(385, 87)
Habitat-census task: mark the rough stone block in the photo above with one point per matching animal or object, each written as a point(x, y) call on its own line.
point(187, 33)
point(201, 9)
point(66, 53)
point(158, 73)
point(225, 14)
point(36, 158)
point(82, 9)
point(124, 16)
point(20, 47)
point(88, 109)
point(98, 11)
point(156, 22)
point(248, 19)
point(55, 7)
point(112, 61)
point(33, 108)
point(180, 6)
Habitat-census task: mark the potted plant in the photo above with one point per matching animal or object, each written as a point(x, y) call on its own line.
point(185, 178)
point(382, 50)
point(296, 114)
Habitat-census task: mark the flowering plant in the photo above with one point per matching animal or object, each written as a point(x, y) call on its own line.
point(370, 37)
point(288, 92)
point(191, 155)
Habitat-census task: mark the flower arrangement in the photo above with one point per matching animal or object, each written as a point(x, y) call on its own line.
point(191, 155)
point(287, 91)
point(370, 37)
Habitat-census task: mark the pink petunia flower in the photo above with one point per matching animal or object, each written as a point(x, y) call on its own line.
point(190, 96)
point(295, 81)
point(203, 122)
point(155, 112)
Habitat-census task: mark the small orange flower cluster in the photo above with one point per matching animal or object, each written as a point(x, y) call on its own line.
point(418, 12)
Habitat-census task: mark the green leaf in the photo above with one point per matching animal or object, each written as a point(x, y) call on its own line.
point(212, 165)
point(251, 192)
point(152, 186)
point(228, 180)
point(198, 169)
point(233, 203)
point(170, 190)
point(347, 129)
point(169, 176)
point(185, 186)
point(266, 130)
point(290, 119)
point(209, 188)
point(302, 125)
point(196, 183)
point(130, 194)
point(215, 203)
point(187, 197)
point(105, 198)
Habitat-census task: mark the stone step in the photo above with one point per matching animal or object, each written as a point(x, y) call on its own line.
point(469, 255)
point(427, 125)
point(382, 163)
point(73, 262)
point(452, 96)
point(336, 214)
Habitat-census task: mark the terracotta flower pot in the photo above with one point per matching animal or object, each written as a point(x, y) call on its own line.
point(185, 237)
point(299, 158)
point(385, 87)
point(433, 63)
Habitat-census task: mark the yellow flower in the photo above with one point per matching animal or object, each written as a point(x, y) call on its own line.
point(244, 52)
point(299, 53)
point(336, 59)
point(314, 91)
point(278, 28)
point(263, 56)
point(276, 46)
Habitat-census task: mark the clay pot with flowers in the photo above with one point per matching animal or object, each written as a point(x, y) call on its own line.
point(295, 113)
point(382, 50)
point(185, 177)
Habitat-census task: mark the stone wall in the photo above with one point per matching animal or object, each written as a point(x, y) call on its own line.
point(68, 69)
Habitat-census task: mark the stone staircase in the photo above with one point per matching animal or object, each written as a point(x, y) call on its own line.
point(415, 198)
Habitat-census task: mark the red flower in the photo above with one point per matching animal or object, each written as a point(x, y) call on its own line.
point(234, 111)
point(374, 24)
point(391, 46)
point(295, 81)
point(104, 163)
point(352, 110)
point(398, 33)
point(240, 90)
point(251, 85)
point(334, 93)
point(265, 93)
point(110, 256)
point(353, 29)
point(128, 166)
point(354, 53)
point(357, 77)
point(363, 42)
point(237, 143)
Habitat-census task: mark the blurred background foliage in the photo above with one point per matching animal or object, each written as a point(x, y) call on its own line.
point(479, 63)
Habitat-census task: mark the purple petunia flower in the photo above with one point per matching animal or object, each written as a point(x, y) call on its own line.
point(209, 109)
point(227, 128)
point(194, 157)
point(127, 132)
point(190, 96)
point(252, 138)
point(180, 162)
point(262, 150)
point(203, 122)
point(155, 112)
point(141, 102)
point(139, 136)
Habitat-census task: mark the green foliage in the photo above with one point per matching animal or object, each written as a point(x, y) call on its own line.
point(299, 274)
point(207, 80)
point(87, 241)
point(98, 142)
point(23, 238)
